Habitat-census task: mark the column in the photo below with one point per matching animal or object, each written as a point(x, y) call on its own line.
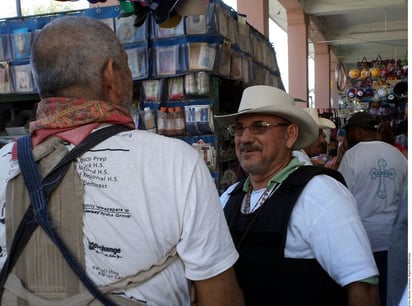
point(298, 49)
point(322, 75)
point(257, 12)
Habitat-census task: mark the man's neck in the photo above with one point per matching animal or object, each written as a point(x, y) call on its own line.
point(259, 181)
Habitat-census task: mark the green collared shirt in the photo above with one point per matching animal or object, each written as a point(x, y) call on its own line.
point(280, 176)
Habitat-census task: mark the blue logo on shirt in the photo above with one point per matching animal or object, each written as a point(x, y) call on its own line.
point(381, 173)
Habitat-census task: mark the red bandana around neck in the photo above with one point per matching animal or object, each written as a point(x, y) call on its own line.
point(63, 113)
point(73, 119)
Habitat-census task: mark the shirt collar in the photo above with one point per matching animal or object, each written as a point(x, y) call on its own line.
point(280, 176)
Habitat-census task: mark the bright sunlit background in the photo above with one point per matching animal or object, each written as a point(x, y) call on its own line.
point(29, 7)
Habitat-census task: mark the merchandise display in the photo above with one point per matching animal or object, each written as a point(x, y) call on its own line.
point(189, 63)
point(184, 72)
point(372, 87)
point(187, 69)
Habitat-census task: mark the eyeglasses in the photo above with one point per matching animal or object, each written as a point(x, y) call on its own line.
point(256, 128)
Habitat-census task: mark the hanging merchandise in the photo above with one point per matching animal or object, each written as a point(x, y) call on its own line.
point(367, 91)
point(166, 13)
point(149, 120)
point(175, 89)
point(182, 75)
point(354, 73)
point(364, 68)
point(375, 70)
point(404, 65)
point(208, 152)
point(162, 121)
point(391, 67)
point(161, 11)
point(351, 92)
point(179, 118)
point(203, 83)
point(373, 87)
point(340, 76)
point(382, 92)
point(199, 120)
point(190, 84)
point(393, 70)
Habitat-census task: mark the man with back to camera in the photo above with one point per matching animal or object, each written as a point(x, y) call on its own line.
point(375, 172)
point(297, 230)
point(137, 205)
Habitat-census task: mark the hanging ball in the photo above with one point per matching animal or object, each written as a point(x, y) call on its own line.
point(354, 73)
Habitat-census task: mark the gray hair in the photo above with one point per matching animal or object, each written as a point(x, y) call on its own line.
point(70, 53)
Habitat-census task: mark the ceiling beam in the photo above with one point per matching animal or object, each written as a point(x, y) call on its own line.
point(369, 37)
point(375, 27)
point(335, 7)
point(278, 14)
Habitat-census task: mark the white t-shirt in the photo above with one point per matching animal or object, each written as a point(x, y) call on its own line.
point(302, 156)
point(375, 172)
point(145, 194)
point(325, 225)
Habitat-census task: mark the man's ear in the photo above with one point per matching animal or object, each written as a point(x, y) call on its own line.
point(111, 82)
point(292, 132)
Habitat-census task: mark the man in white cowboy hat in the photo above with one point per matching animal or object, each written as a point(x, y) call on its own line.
point(314, 149)
point(295, 227)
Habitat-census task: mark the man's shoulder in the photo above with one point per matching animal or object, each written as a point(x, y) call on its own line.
point(304, 174)
point(369, 151)
point(6, 149)
point(302, 156)
point(6, 161)
point(376, 144)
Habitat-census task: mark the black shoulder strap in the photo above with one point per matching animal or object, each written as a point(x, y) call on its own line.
point(234, 202)
point(37, 213)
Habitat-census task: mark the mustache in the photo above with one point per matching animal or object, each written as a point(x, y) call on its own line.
point(249, 147)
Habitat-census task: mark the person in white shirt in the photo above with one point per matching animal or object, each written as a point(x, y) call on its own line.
point(314, 149)
point(144, 196)
point(375, 172)
point(296, 227)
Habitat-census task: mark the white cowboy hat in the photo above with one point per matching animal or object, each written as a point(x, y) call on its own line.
point(322, 123)
point(262, 99)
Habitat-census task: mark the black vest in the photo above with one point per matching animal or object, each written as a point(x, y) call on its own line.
point(264, 274)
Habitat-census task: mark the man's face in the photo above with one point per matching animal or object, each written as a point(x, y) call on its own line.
point(261, 148)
